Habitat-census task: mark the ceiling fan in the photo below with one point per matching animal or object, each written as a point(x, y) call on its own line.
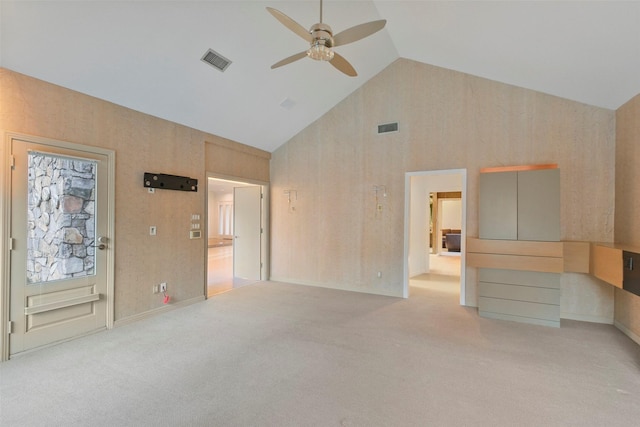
point(322, 41)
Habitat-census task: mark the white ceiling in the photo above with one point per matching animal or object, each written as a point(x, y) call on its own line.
point(145, 55)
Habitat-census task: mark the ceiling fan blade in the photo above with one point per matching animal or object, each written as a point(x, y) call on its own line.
point(291, 24)
point(290, 59)
point(358, 32)
point(343, 65)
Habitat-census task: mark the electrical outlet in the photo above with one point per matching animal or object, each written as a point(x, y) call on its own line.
point(152, 230)
point(155, 289)
point(163, 287)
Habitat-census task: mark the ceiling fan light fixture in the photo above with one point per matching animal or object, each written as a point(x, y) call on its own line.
point(320, 51)
point(320, 37)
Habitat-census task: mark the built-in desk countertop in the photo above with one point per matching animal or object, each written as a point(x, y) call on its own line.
point(549, 257)
point(607, 262)
point(601, 259)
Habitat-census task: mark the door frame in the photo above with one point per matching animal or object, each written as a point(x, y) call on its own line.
point(264, 223)
point(5, 230)
point(407, 218)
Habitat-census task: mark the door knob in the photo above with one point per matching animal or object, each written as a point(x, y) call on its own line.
point(102, 243)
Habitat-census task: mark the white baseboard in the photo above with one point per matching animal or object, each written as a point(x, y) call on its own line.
point(156, 311)
point(587, 318)
point(336, 287)
point(627, 332)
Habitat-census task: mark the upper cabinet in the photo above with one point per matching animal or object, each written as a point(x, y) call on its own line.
point(499, 205)
point(520, 205)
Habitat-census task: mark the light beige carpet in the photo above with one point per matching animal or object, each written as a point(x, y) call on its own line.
point(274, 354)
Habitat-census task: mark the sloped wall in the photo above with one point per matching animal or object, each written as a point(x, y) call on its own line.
point(627, 230)
point(336, 237)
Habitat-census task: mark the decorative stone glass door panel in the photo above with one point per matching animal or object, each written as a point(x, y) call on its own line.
point(60, 218)
point(59, 227)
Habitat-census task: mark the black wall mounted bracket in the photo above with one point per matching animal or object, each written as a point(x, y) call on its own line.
point(170, 182)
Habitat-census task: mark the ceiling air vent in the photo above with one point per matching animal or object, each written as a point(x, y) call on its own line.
point(388, 127)
point(216, 60)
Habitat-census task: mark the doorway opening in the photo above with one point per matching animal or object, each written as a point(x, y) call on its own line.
point(236, 234)
point(434, 236)
point(445, 222)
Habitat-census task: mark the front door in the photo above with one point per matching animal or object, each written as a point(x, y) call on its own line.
point(247, 232)
point(60, 241)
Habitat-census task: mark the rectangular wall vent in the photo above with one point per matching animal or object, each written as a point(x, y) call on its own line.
point(216, 60)
point(388, 127)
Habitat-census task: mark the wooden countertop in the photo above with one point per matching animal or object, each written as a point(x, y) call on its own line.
point(551, 257)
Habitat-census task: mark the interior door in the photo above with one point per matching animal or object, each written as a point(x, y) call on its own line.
point(59, 225)
point(247, 232)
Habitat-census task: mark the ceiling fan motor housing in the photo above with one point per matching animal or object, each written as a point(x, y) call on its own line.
point(322, 43)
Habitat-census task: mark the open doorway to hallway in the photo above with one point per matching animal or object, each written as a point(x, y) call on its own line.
point(435, 213)
point(234, 234)
point(445, 226)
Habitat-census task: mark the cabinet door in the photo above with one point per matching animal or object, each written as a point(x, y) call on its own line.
point(539, 205)
point(499, 206)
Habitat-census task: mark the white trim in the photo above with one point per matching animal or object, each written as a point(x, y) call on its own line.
point(5, 214)
point(463, 240)
point(62, 156)
point(335, 286)
point(157, 311)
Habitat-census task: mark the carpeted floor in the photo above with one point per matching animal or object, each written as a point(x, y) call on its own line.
point(274, 354)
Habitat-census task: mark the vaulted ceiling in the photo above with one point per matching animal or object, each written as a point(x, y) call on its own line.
point(146, 55)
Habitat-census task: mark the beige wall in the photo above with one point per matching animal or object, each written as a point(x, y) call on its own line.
point(142, 144)
point(447, 120)
point(627, 228)
point(233, 160)
point(331, 234)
